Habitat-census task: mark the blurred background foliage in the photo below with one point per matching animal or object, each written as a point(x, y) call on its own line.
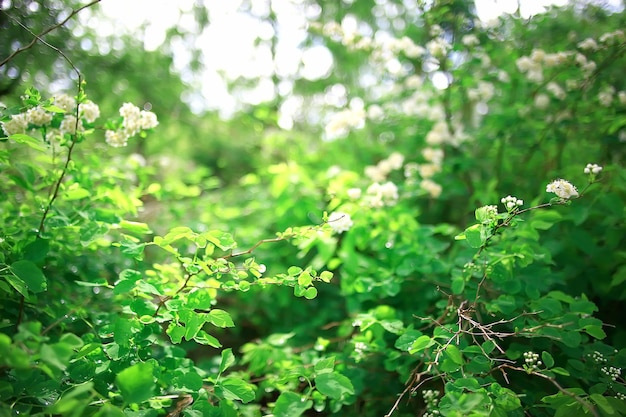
point(249, 175)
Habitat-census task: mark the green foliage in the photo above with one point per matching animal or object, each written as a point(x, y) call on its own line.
point(343, 276)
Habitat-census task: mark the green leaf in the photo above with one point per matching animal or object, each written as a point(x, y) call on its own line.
point(72, 340)
point(109, 410)
point(36, 250)
point(602, 403)
point(220, 318)
point(57, 355)
point(18, 284)
point(227, 359)
point(76, 193)
point(305, 279)
point(325, 365)
point(488, 346)
point(135, 227)
point(420, 344)
point(206, 339)
point(290, 404)
point(595, 331)
point(236, 389)
point(547, 359)
point(310, 293)
point(560, 371)
point(392, 326)
point(455, 354)
point(176, 333)
point(326, 276)
point(189, 380)
point(124, 286)
point(334, 385)
point(31, 275)
point(136, 383)
point(29, 141)
point(571, 339)
point(473, 236)
point(193, 325)
point(405, 341)
point(72, 400)
point(458, 285)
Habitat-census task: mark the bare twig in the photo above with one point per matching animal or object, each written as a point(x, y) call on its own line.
point(45, 32)
point(57, 185)
point(578, 399)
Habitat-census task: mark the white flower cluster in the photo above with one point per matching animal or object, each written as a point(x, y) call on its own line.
point(37, 117)
point(609, 38)
point(470, 40)
point(89, 111)
point(620, 396)
point(134, 121)
point(491, 211)
point(360, 347)
point(355, 40)
point(556, 90)
point(588, 44)
point(598, 357)
point(71, 125)
point(380, 171)
point(438, 47)
point(531, 360)
point(17, 124)
point(511, 202)
point(339, 221)
point(434, 161)
point(534, 64)
point(593, 169)
point(354, 193)
point(403, 45)
point(431, 398)
point(606, 95)
point(563, 189)
point(342, 122)
point(431, 187)
point(611, 372)
point(381, 192)
point(65, 102)
point(483, 92)
point(380, 195)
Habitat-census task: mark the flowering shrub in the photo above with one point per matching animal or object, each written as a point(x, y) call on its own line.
point(344, 275)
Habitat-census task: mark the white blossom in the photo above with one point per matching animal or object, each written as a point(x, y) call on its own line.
point(592, 169)
point(17, 124)
point(588, 44)
point(511, 202)
point(470, 40)
point(116, 139)
point(89, 111)
point(431, 187)
point(70, 124)
point(563, 189)
point(542, 101)
point(340, 222)
point(354, 193)
point(38, 116)
point(65, 102)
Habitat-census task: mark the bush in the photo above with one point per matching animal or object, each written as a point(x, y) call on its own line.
point(343, 276)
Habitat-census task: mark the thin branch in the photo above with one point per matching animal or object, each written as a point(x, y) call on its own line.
point(585, 404)
point(45, 32)
point(57, 185)
point(39, 38)
point(256, 245)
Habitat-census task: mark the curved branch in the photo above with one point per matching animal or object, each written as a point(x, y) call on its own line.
point(45, 32)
